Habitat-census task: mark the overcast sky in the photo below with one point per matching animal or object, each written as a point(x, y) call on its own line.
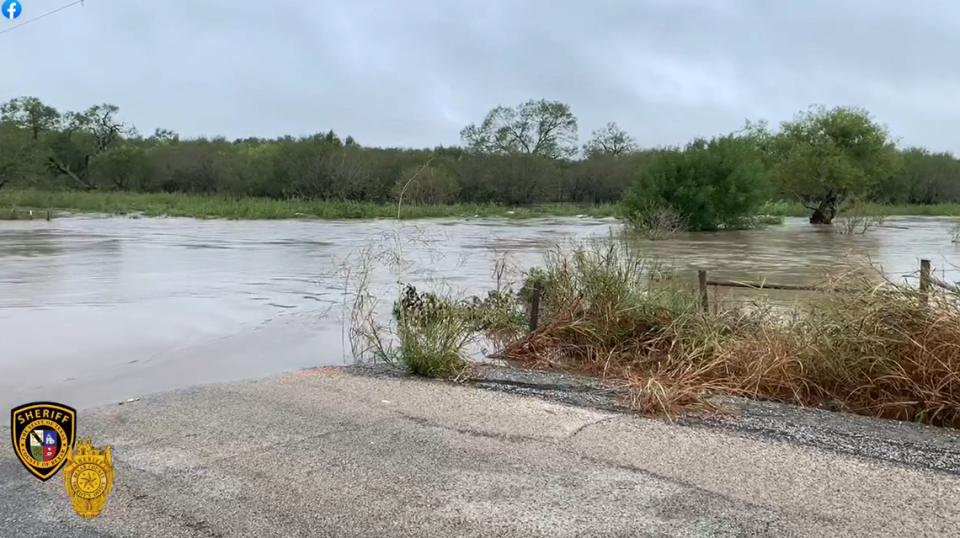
point(414, 72)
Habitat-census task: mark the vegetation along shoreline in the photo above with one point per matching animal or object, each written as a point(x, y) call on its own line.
point(524, 160)
point(16, 204)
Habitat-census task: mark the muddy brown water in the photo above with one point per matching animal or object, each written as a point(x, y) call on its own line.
point(95, 310)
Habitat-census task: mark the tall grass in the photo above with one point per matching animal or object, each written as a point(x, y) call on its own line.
point(198, 206)
point(868, 346)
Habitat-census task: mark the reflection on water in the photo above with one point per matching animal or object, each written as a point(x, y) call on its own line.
point(112, 308)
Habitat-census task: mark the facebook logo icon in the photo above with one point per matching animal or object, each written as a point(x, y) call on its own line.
point(11, 9)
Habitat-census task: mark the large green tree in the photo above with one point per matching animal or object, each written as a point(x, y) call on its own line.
point(543, 128)
point(825, 156)
point(611, 141)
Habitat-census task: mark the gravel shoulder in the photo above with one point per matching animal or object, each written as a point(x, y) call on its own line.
point(906, 443)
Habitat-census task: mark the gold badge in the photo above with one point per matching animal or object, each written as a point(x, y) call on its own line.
point(43, 434)
point(89, 478)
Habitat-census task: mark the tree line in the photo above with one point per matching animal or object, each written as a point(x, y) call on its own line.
point(521, 155)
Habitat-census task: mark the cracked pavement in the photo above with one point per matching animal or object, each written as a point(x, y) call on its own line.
point(327, 452)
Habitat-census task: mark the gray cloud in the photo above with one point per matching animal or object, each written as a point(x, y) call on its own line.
point(413, 73)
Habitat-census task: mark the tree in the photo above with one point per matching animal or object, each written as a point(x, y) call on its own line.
point(825, 156)
point(518, 156)
point(602, 178)
point(68, 141)
point(17, 153)
point(85, 136)
point(543, 128)
point(926, 178)
point(611, 140)
point(720, 183)
point(122, 167)
point(31, 114)
point(426, 184)
point(23, 121)
point(164, 136)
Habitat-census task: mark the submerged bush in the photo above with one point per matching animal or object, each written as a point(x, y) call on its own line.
point(655, 221)
point(720, 183)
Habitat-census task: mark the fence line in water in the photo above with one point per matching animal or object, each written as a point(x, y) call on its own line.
point(927, 281)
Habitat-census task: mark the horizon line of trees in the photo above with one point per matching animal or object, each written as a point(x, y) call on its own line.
point(522, 155)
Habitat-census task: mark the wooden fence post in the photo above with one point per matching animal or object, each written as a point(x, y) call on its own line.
point(925, 279)
point(535, 307)
point(704, 297)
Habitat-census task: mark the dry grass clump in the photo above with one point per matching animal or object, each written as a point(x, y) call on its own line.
point(869, 346)
point(656, 223)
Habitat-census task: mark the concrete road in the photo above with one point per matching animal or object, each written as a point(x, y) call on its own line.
point(329, 453)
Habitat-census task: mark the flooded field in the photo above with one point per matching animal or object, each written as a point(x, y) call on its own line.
point(97, 310)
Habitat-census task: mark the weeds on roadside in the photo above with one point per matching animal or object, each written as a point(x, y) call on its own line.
point(428, 333)
point(869, 346)
point(434, 331)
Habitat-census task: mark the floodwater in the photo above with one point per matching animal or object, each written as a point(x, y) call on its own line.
point(95, 310)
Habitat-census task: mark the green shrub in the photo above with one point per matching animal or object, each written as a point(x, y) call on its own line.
point(720, 183)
